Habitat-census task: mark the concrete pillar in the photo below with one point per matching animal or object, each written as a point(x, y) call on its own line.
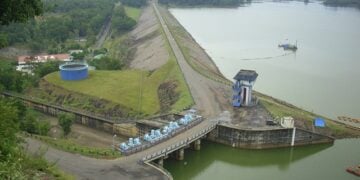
point(161, 162)
point(293, 137)
point(180, 154)
point(197, 144)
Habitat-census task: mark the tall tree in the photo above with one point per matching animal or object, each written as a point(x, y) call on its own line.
point(19, 10)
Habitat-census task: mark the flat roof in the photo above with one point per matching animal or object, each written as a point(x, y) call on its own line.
point(248, 75)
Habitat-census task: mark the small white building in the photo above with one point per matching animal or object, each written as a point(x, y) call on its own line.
point(287, 122)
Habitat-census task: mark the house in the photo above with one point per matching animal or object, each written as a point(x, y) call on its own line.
point(24, 61)
point(43, 58)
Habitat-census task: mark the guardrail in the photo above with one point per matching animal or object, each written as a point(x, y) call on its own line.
point(164, 138)
point(179, 144)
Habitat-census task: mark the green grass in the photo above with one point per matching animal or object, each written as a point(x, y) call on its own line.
point(134, 89)
point(279, 109)
point(132, 12)
point(70, 146)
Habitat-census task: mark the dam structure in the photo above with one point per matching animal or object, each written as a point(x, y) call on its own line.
point(246, 126)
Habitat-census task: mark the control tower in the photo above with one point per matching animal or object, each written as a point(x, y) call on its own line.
point(242, 88)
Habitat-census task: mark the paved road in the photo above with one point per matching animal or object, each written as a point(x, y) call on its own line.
point(201, 88)
point(126, 167)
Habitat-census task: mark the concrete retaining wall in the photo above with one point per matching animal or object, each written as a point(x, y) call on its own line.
point(259, 139)
point(80, 118)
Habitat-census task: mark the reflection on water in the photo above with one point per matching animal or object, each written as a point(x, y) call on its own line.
point(322, 76)
point(215, 161)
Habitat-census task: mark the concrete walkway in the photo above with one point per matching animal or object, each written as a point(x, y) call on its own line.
point(201, 88)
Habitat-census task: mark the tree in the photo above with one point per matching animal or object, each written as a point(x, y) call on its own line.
point(78, 56)
point(43, 127)
point(65, 121)
point(10, 78)
point(106, 63)
point(19, 10)
point(29, 124)
point(3, 40)
point(42, 69)
point(134, 3)
point(9, 126)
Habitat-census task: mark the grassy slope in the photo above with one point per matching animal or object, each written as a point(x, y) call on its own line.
point(280, 109)
point(131, 88)
point(133, 12)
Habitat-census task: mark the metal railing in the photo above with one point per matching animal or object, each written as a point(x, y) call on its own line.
point(179, 144)
point(164, 138)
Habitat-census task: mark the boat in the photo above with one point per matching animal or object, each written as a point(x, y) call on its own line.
point(288, 46)
point(354, 170)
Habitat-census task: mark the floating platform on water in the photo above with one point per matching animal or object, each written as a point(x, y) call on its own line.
point(292, 47)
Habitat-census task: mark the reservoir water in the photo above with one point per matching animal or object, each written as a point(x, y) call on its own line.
point(315, 162)
point(322, 76)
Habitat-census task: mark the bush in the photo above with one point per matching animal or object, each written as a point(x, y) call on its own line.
point(65, 121)
point(43, 127)
point(106, 63)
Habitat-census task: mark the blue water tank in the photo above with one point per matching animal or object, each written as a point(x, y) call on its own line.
point(73, 71)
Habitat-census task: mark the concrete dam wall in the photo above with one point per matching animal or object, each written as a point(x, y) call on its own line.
point(264, 138)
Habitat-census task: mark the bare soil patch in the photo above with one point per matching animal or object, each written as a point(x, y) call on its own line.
point(167, 95)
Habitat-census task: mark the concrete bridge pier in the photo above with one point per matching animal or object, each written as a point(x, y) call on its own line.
point(160, 161)
point(180, 154)
point(197, 144)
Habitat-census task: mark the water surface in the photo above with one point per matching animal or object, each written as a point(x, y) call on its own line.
point(314, 162)
point(322, 76)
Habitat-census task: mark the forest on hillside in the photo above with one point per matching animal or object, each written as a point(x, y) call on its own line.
point(66, 24)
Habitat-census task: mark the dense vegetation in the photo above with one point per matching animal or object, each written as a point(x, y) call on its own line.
point(12, 80)
point(106, 63)
point(350, 3)
point(202, 2)
point(19, 10)
point(120, 21)
point(60, 27)
point(134, 3)
point(14, 163)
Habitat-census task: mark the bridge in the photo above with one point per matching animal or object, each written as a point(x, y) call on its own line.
point(182, 143)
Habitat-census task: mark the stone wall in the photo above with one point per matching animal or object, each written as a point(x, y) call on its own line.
point(259, 139)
